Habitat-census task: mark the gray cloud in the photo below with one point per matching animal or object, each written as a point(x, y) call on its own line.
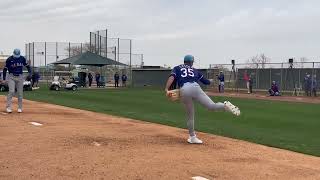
point(165, 30)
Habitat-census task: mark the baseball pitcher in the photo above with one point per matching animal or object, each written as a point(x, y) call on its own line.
point(14, 65)
point(187, 79)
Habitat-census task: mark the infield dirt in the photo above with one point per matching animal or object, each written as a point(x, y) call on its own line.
point(77, 144)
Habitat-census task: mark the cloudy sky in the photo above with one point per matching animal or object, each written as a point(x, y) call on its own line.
point(214, 31)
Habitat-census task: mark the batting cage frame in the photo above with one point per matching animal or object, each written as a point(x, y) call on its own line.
point(41, 55)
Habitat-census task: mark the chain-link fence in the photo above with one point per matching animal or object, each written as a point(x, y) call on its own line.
point(41, 55)
point(289, 77)
point(117, 49)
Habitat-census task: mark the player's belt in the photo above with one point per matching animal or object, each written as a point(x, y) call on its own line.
point(15, 74)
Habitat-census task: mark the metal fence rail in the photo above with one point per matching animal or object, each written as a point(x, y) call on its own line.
point(287, 77)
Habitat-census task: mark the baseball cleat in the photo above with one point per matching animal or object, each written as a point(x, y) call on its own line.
point(9, 110)
point(19, 110)
point(194, 140)
point(231, 108)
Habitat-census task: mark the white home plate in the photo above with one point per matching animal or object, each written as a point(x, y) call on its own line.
point(199, 178)
point(35, 123)
point(4, 113)
point(96, 144)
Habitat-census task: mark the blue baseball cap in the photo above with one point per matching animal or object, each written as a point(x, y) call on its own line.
point(16, 53)
point(188, 58)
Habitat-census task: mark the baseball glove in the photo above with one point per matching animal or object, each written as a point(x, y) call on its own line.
point(173, 95)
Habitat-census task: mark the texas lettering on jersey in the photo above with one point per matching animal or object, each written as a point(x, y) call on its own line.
point(14, 65)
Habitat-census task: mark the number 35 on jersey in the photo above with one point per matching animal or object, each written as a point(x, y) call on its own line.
point(186, 72)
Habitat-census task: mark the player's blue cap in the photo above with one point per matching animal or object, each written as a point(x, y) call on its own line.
point(188, 58)
point(16, 53)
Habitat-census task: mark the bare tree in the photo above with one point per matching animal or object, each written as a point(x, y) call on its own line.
point(258, 61)
point(78, 49)
point(220, 67)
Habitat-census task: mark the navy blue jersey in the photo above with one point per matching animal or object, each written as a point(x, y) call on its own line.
point(124, 77)
point(116, 77)
point(221, 78)
point(184, 74)
point(15, 66)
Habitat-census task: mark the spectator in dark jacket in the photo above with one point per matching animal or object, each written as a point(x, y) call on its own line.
point(98, 79)
point(35, 79)
point(90, 78)
point(250, 84)
point(274, 90)
point(124, 80)
point(116, 79)
point(314, 86)
point(221, 82)
point(307, 84)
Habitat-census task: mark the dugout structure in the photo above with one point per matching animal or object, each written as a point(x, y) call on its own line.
point(155, 77)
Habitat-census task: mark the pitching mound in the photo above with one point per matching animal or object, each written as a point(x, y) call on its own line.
point(54, 142)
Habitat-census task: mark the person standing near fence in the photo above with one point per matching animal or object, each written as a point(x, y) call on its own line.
point(307, 84)
point(124, 80)
point(90, 78)
point(314, 85)
point(14, 65)
point(116, 80)
point(98, 79)
point(35, 78)
point(221, 82)
point(246, 79)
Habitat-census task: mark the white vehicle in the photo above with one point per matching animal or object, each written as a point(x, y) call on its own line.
point(57, 85)
point(27, 85)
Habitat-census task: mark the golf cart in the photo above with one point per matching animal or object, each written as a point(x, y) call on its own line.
point(65, 84)
point(27, 85)
point(4, 87)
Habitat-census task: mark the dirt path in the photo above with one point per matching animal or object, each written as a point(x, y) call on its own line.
point(303, 99)
point(77, 144)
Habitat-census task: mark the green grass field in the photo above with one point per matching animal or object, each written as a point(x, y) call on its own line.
point(293, 126)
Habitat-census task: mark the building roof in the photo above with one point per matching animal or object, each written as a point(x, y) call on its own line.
point(89, 59)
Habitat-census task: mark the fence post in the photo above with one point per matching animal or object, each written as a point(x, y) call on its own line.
point(29, 44)
point(100, 46)
point(142, 63)
point(45, 54)
point(312, 79)
point(26, 51)
point(106, 43)
point(130, 62)
point(33, 57)
point(257, 77)
point(95, 43)
point(118, 49)
point(299, 77)
point(57, 52)
point(45, 62)
point(98, 41)
point(69, 50)
point(281, 85)
point(270, 75)
point(90, 48)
